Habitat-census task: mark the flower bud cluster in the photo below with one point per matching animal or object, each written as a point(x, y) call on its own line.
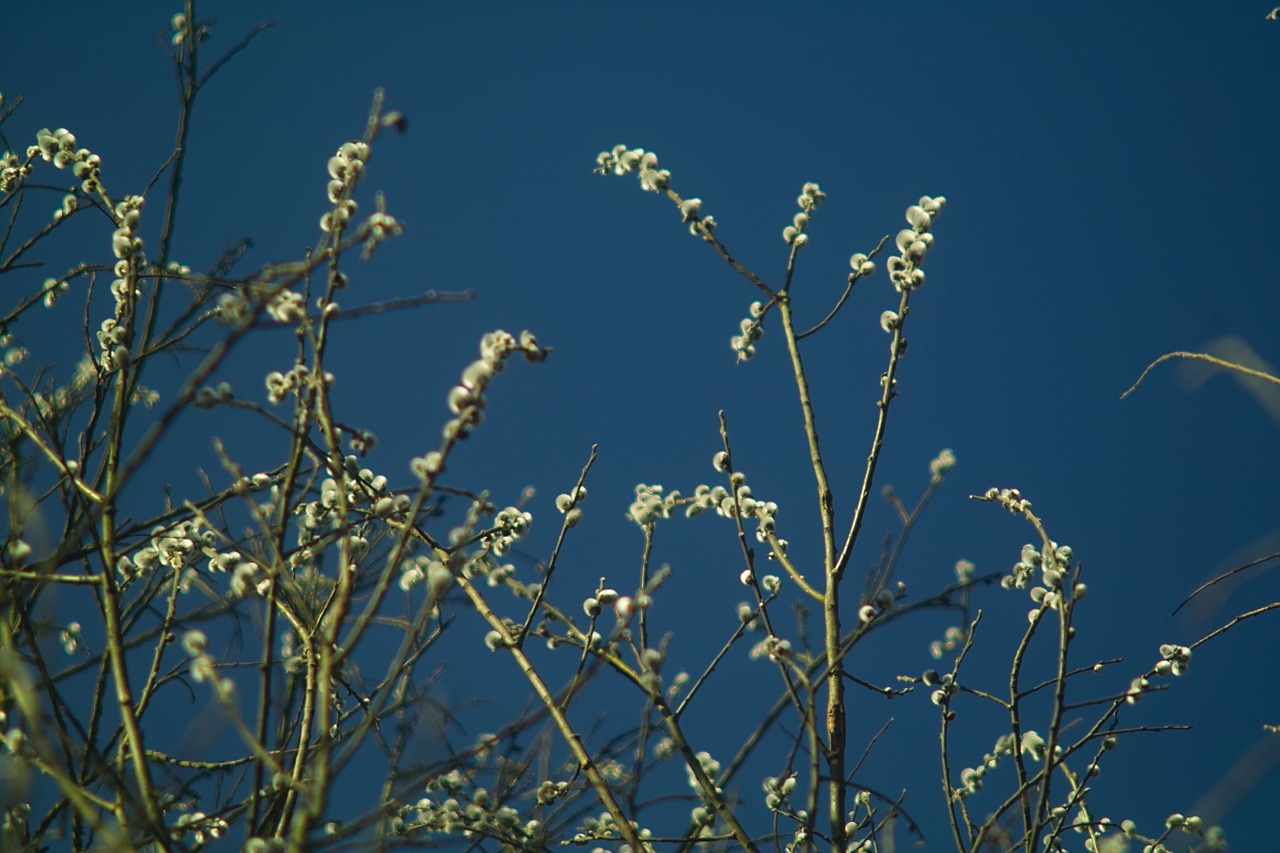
point(283, 305)
point(740, 503)
point(112, 336)
point(971, 781)
point(13, 170)
point(234, 308)
point(319, 516)
point(466, 399)
point(496, 639)
point(427, 467)
point(913, 243)
point(364, 489)
point(226, 561)
point(138, 564)
point(69, 204)
point(246, 575)
point(703, 817)
point(1053, 564)
point(173, 547)
point(620, 160)
point(748, 613)
point(772, 583)
point(14, 739)
point(473, 815)
point(862, 265)
point(59, 148)
point(417, 569)
point(195, 644)
point(71, 639)
point(677, 684)
point(1214, 838)
point(389, 506)
point(603, 828)
point(945, 685)
point(381, 226)
point(568, 506)
point(1033, 745)
point(625, 606)
point(810, 198)
point(1010, 499)
point(145, 396)
point(509, 526)
point(14, 352)
point(691, 212)
point(652, 659)
point(183, 29)
point(730, 504)
point(942, 463)
point(345, 170)
point(650, 504)
point(1176, 660)
point(971, 778)
point(861, 800)
point(124, 242)
point(201, 827)
point(114, 332)
point(362, 483)
point(710, 767)
point(286, 306)
point(209, 396)
point(881, 604)
point(19, 551)
point(773, 648)
point(776, 791)
point(361, 440)
point(280, 385)
point(484, 566)
point(951, 640)
point(603, 597)
point(549, 792)
point(751, 330)
point(1137, 687)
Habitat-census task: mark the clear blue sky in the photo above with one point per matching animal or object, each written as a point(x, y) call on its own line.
point(1111, 173)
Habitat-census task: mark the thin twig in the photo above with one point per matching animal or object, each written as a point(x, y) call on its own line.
point(853, 278)
point(1222, 577)
point(1230, 365)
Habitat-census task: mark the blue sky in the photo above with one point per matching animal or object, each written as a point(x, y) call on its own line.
point(1110, 172)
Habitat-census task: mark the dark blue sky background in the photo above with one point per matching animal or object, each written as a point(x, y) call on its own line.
point(1111, 174)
